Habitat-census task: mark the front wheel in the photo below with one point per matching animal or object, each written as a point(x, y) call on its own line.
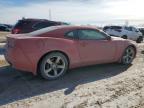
point(53, 66)
point(128, 56)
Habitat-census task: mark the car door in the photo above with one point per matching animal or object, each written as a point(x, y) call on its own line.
point(95, 47)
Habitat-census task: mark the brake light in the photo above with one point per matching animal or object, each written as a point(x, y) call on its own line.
point(16, 31)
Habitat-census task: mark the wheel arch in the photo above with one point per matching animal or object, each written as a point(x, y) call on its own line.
point(65, 54)
point(124, 36)
point(134, 48)
point(131, 45)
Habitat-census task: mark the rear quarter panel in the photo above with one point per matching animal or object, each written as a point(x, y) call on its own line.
point(35, 48)
point(69, 47)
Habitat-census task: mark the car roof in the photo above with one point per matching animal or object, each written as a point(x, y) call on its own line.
point(64, 27)
point(113, 26)
point(73, 27)
point(38, 20)
point(33, 19)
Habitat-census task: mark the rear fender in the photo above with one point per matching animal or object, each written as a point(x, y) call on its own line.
point(67, 46)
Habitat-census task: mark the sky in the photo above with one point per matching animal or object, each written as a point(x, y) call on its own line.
point(94, 12)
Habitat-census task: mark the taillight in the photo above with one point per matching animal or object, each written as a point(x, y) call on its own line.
point(16, 31)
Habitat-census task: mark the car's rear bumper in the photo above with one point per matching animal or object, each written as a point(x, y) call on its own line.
point(18, 60)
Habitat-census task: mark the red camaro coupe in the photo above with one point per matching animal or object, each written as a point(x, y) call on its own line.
point(53, 50)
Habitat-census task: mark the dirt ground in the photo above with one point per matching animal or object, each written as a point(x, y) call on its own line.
point(3, 36)
point(99, 86)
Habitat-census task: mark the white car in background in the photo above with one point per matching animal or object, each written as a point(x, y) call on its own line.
point(126, 32)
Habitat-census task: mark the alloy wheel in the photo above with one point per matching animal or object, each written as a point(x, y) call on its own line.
point(128, 55)
point(54, 66)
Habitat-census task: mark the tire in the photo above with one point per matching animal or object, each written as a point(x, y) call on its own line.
point(140, 39)
point(124, 37)
point(128, 56)
point(53, 66)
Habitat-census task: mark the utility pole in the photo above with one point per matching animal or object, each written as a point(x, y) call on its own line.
point(50, 15)
point(126, 22)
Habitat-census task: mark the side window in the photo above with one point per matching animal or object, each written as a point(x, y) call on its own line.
point(128, 28)
point(71, 34)
point(2, 28)
point(91, 35)
point(135, 29)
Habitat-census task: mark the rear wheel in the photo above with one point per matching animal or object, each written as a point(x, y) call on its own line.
point(140, 39)
point(124, 37)
point(53, 66)
point(128, 55)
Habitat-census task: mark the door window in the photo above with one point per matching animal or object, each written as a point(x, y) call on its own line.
point(128, 28)
point(91, 35)
point(71, 34)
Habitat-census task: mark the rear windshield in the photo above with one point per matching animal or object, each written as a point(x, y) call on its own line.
point(44, 24)
point(44, 30)
point(22, 23)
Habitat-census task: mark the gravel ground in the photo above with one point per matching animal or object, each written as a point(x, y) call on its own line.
point(3, 36)
point(99, 86)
